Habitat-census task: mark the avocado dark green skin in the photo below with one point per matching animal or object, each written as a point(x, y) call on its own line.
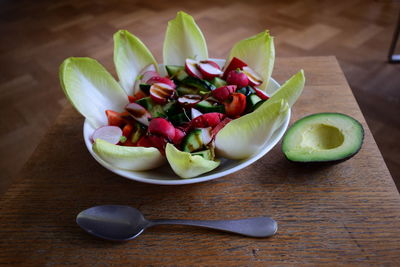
point(325, 162)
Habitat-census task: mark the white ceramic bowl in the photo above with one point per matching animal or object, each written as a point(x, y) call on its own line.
point(164, 174)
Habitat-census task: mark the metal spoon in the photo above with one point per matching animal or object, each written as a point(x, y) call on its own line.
point(121, 223)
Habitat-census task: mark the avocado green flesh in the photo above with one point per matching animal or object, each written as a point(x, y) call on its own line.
point(323, 137)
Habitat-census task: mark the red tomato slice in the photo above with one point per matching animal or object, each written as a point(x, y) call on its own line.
point(235, 105)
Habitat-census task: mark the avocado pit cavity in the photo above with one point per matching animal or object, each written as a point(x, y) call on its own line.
point(322, 137)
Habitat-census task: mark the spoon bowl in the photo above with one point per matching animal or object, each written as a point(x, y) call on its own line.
point(122, 223)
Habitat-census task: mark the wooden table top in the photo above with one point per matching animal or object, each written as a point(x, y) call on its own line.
point(344, 213)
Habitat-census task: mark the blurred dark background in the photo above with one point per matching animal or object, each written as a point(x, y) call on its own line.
point(36, 36)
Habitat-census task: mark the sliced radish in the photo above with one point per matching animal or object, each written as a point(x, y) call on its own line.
point(158, 79)
point(191, 68)
point(233, 65)
point(207, 120)
point(161, 92)
point(261, 94)
point(111, 134)
point(189, 100)
point(161, 126)
point(179, 135)
point(219, 126)
point(222, 93)
point(148, 75)
point(238, 78)
point(151, 69)
point(139, 113)
point(208, 70)
point(254, 77)
point(211, 63)
point(195, 113)
point(206, 135)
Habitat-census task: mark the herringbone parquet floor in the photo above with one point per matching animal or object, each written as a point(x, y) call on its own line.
point(37, 35)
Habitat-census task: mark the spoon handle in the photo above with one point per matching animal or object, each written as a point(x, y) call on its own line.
point(254, 227)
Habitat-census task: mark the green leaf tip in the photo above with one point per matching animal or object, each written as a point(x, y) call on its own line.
point(183, 39)
point(258, 52)
point(130, 57)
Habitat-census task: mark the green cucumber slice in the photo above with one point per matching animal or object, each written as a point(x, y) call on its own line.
point(207, 107)
point(218, 82)
point(200, 84)
point(184, 90)
point(192, 141)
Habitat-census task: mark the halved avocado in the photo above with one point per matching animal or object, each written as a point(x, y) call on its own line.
point(323, 137)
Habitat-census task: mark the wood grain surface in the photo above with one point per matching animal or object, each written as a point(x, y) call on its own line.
point(347, 213)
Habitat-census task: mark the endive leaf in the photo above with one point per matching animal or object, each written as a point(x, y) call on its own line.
point(128, 158)
point(130, 57)
point(243, 137)
point(289, 91)
point(183, 39)
point(186, 165)
point(259, 53)
point(91, 89)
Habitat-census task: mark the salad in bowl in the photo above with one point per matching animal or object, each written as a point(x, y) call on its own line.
point(202, 117)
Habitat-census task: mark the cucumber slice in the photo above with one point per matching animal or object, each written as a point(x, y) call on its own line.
point(155, 110)
point(207, 154)
point(256, 106)
point(173, 70)
point(248, 90)
point(181, 75)
point(146, 102)
point(200, 84)
point(192, 141)
point(218, 82)
point(207, 107)
point(184, 90)
point(251, 102)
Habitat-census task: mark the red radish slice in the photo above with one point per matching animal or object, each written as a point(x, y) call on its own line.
point(254, 77)
point(139, 113)
point(233, 65)
point(148, 75)
point(206, 135)
point(189, 100)
point(160, 92)
point(161, 126)
point(219, 126)
point(158, 79)
point(209, 71)
point(222, 93)
point(195, 113)
point(191, 68)
point(140, 79)
point(179, 135)
point(261, 94)
point(211, 63)
point(111, 134)
point(207, 120)
point(238, 78)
